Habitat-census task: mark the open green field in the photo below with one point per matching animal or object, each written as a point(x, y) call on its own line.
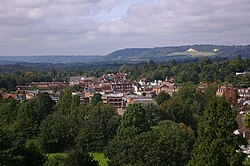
point(97, 156)
point(101, 158)
point(52, 155)
point(193, 54)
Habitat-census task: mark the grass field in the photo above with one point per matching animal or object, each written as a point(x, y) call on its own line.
point(97, 156)
point(193, 54)
point(52, 155)
point(101, 158)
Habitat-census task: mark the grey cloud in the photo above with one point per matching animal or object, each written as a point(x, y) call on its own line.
point(187, 16)
point(74, 27)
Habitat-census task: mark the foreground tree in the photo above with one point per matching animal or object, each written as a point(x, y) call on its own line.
point(186, 106)
point(13, 153)
point(29, 116)
point(168, 143)
point(65, 100)
point(134, 121)
point(55, 133)
point(8, 112)
point(217, 144)
point(99, 127)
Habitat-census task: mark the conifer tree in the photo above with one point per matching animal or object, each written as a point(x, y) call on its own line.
point(216, 143)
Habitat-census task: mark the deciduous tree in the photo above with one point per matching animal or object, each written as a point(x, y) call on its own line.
point(134, 121)
point(168, 143)
point(97, 98)
point(162, 97)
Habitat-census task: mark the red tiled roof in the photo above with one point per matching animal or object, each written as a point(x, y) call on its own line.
point(7, 96)
point(14, 96)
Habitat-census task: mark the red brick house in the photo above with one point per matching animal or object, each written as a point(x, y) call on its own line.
point(230, 93)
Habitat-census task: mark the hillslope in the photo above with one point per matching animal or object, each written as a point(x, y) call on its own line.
point(187, 52)
point(180, 52)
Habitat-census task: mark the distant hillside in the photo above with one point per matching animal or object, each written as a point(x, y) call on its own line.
point(180, 52)
point(187, 52)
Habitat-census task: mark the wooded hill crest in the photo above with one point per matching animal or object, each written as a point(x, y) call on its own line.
point(187, 52)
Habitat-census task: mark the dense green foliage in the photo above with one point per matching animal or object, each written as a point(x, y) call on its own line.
point(83, 127)
point(205, 70)
point(98, 129)
point(97, 98)
point(186, 106)
point(134, 122)
point(246, 119)
point(40, 125)
point(216, 143)
point(168, 143)
point(13, 153)
point(162, 97)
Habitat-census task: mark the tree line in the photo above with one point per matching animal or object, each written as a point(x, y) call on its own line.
point(204, 70)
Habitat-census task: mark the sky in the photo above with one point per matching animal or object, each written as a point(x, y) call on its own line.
point(98, 27)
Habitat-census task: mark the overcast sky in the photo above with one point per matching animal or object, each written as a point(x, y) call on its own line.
point(90, 27)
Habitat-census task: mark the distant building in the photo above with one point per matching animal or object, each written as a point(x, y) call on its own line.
point(202, 87)
point(130, 99)
point(241, 73)
point(55, 86)
point(115, 100)
point(244, 93)
point(230, 93)
point(111, 78)
point(105, 88)
point(31, 94)
point(83, 99)
point(6, 96)
point(168, 87)
point(82, 81)
point(157, 89)
point(142, 89)
point(144, 81)
point(241, 128)
point(122, 86)
point(75, 80)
